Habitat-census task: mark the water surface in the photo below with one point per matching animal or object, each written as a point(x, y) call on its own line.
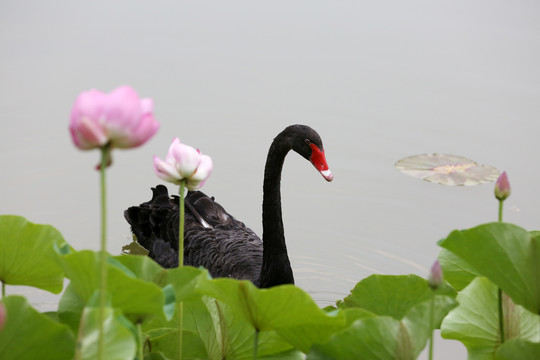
point(378, 80)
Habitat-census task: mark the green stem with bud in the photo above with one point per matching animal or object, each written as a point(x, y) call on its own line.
point(501, 210)
point(499, 295)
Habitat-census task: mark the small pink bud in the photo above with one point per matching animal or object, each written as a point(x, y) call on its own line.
point(502, 187)
point(3, 314)
point(435, 278)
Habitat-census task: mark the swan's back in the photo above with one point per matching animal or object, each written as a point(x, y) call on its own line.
point(212, 238)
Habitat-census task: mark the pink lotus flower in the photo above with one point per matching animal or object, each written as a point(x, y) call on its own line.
point(184, 163)
point(502, 187)
point(119, 118)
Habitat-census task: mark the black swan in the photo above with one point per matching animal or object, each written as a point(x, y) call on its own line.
point(217, 241)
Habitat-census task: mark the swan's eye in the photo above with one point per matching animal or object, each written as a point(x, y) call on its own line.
point(307, 141)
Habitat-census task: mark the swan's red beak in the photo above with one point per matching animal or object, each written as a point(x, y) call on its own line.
point(318, 160)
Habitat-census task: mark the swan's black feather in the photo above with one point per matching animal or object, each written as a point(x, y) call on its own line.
point(212, 237)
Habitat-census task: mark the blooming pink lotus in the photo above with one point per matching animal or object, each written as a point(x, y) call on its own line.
point(184, 163)
point(119, 118)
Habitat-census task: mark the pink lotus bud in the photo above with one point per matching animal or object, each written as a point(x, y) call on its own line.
point(120, 118)
point(183, 163)
point(435, 278)
point(502, 187)
point(3, 314)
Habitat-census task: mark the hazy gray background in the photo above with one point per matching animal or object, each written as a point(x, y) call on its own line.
point(379, 80)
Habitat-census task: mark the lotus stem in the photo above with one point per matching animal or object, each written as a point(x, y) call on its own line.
point(501, 315)
point(103, 254)
point(181, 225)
point(431, 316)
point(499, 292)
point(181, 217)
point(256, 344)
point(3, 289)
point(140, 354)
point(180, 311)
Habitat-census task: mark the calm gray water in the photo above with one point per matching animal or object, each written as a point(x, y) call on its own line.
point(378, 80)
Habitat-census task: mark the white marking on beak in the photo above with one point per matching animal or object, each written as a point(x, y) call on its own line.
point(327, 174)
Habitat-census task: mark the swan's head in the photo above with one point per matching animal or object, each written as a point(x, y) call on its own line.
point(308, 143)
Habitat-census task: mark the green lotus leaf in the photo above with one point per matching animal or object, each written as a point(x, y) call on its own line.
point(374, 338)
point(383, 337)
point(140, 266)
point(28, 256)
point(148, 270)
point(156, 356)
point(28, 334)
point(184, 281)
point(457, 271)
point(213, 330)
point(526, 350)
point(506, 254)
point(70, 308)
point(475, 322)
point(133, 296)
point(119, 339)
point(378, 294)
point(285, 309)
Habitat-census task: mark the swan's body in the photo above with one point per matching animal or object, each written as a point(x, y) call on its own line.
point(216, 240)
point(213, 238)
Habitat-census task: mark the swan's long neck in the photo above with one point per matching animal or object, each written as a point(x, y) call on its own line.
point(276, 268)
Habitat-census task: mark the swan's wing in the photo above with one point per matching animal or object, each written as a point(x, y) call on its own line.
point(213, 238)
point(164, 254)
point(151, 220)
point(207, 211)
point(225, 252)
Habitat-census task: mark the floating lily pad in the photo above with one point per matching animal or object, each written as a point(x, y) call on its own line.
point(445, 169)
